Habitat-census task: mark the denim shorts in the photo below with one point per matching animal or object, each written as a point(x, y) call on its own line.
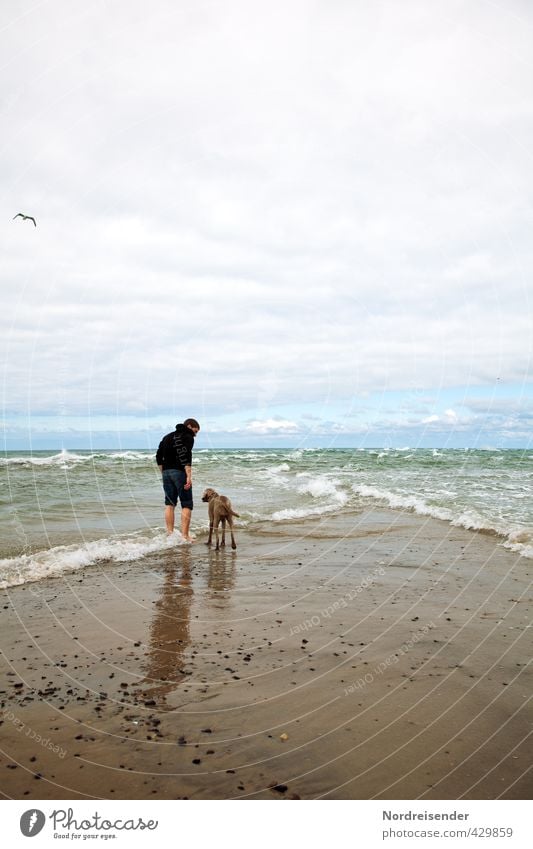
point(174, 481)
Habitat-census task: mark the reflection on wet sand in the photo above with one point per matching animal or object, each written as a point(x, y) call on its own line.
point(170, 634)
point(221, 575)
point(170, 630)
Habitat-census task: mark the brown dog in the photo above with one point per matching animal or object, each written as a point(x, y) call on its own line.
point(220, 510)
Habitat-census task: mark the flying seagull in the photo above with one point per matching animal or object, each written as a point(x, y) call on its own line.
point(25, 218)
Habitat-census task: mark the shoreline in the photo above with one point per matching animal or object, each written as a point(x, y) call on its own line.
point(150, 545)
point(381, 654)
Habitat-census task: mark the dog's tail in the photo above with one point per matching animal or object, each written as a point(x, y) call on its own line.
point(233, 513)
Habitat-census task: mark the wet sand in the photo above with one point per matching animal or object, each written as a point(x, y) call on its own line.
point(373, 655)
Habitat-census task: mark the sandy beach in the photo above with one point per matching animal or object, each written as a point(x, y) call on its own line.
point(375, 654)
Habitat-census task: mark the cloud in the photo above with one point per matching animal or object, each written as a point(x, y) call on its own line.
point(272, 426)
point(249, 213)
point(449, 417)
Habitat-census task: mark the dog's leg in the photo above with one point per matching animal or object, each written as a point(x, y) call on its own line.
point(217, 521)
point(224, 532)
point(210, 528)
point(230, 523)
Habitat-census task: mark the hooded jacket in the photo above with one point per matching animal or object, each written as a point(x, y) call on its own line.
point(175, 449)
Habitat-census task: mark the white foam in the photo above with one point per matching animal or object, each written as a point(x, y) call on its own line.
point(523, 550)
point(66, 459)
point(52, 562)
point(410, 502)
point(62, 460)
point(302, 512)
point(323, 487)
point(283, 467)
point(128, 455)
point(515, 538)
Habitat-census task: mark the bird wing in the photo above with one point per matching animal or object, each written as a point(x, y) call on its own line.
point(25, 218)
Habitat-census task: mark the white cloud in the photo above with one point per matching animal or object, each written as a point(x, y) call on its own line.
point(270, 426)
point(449, 417)
point(254, 206)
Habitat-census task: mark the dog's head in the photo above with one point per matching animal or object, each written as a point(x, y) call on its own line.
point(209, 494)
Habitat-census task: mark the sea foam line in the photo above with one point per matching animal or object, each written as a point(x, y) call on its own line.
point(61, 559)
point(514, 537)
point(66, 459)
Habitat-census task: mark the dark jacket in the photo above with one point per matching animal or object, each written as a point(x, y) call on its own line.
point(175, 449)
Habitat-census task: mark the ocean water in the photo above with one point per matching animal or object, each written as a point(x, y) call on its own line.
point(69, 510)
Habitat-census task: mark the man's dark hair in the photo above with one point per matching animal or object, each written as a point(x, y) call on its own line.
point(191, 423)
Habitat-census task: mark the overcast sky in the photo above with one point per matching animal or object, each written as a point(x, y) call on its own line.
point(303, 223)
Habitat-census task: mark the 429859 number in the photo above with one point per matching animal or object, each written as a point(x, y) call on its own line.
point(490, 832)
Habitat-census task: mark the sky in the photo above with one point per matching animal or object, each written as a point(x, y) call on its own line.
point(302, 223)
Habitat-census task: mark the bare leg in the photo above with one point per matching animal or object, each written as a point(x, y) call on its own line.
point(169, 518)
point(186, 523)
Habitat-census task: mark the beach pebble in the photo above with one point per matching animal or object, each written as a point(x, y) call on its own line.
point(278, 788)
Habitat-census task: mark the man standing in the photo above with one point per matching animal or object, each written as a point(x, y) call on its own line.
point(174, 458)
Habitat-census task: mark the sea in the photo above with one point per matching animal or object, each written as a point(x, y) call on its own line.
point(64, 511)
